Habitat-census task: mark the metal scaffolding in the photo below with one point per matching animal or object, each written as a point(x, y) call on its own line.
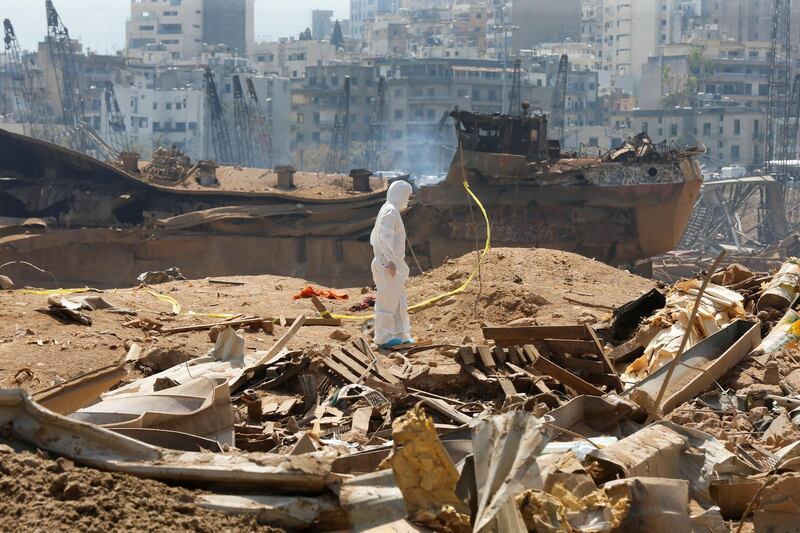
point(242, 131)
point(376, 144)
point(217, 130)
point(117, 131)
point(339, 154)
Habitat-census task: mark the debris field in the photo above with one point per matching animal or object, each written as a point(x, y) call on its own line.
point(551, 393)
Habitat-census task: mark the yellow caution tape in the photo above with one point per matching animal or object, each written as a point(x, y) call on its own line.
point(49, 292)
point(424, 304)
point(176, 307)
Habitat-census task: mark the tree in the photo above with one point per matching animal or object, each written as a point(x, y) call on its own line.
point(337, 38)
point(305, 35)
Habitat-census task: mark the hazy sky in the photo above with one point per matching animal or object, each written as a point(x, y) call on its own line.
point(100, 24)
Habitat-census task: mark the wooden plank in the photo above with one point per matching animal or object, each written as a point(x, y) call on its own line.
point(467, 354)
point(357, 355)
point(592, 367)
point(475, 373)
point(350, 363)
point(485, 354)
point(536, 380)
point(201, 327)
point(521, 355)
point(507, 386)
point(529, 333)
point(602, 353)
point(565, 377)
point(282, 342)
point(513, 356)
point(320, 307)
point(499, 355)
point(627, 352)
point(570, 346)
point(286, 407)
point(340, 370)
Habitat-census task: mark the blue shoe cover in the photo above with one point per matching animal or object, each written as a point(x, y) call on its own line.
point(390, 343)
point(410, 340)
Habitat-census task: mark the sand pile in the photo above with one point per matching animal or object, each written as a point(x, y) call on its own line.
point(40, 494)
point(524, 287)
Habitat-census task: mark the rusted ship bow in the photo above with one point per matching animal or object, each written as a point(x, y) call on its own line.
point(91, 221)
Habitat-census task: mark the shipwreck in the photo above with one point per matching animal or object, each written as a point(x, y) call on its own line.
point(106, 222)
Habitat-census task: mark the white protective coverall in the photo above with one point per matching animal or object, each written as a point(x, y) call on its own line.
point(388, 240)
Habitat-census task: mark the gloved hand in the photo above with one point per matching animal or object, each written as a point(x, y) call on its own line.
point(391, 269)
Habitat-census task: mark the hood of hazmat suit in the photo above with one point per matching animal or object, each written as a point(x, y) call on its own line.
point(388, 240)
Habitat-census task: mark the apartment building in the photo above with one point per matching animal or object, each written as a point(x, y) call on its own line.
point(175, 25)
point(181, 27)
point(289, 58)
point(732, 134)
point(321, 24)
point(543, 21)
point(363, 11)
point(315, 99)
point(230, 23)
point(735, 71)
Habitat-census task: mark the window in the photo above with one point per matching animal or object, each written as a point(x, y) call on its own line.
point(492, 94)
point(593, 141)
point(397, 134)
point(170, 13)
point(462, 93)
point(180, 126)
point(476, 94)
point(431, 92)
point(155, 106)
point(756, 127)
point(737, 127)
point(170, 29)
point(398, 93)
point(178, 106)
point(174, 2)
point(398, 114)
point(193, 126)
point(315, 136)
point(169, 106)
point(735, 152)
point(431, 113)
point(301, 118)
point(673, 130)
point(146, 28)
point(156, 126)
point(707, 129)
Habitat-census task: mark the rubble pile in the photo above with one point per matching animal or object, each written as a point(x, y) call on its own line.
point(554, 394)
point(168, 166)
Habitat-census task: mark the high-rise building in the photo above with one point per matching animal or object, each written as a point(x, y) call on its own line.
point(229, 22)
point(183, 27)
point(175, 26)
point(362, 11)
point(321, 25)
point(542, 21)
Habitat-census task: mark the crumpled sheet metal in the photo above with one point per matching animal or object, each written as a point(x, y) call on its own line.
point(719, 307)
point(595, 415)
point(667, 450)
point(226, 360)
point(698, 368)
point(506, 448)
point(95, 446)
point(199, 407)
point(289, 512)
point(375, 504)
point(425, 474)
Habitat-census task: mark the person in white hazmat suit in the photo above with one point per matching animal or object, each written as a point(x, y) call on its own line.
point(389, 269)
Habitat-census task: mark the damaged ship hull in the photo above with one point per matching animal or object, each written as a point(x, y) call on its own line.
point(106, 225)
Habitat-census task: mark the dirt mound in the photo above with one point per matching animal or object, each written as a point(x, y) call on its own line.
point(44, 495)
point(525, 286)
